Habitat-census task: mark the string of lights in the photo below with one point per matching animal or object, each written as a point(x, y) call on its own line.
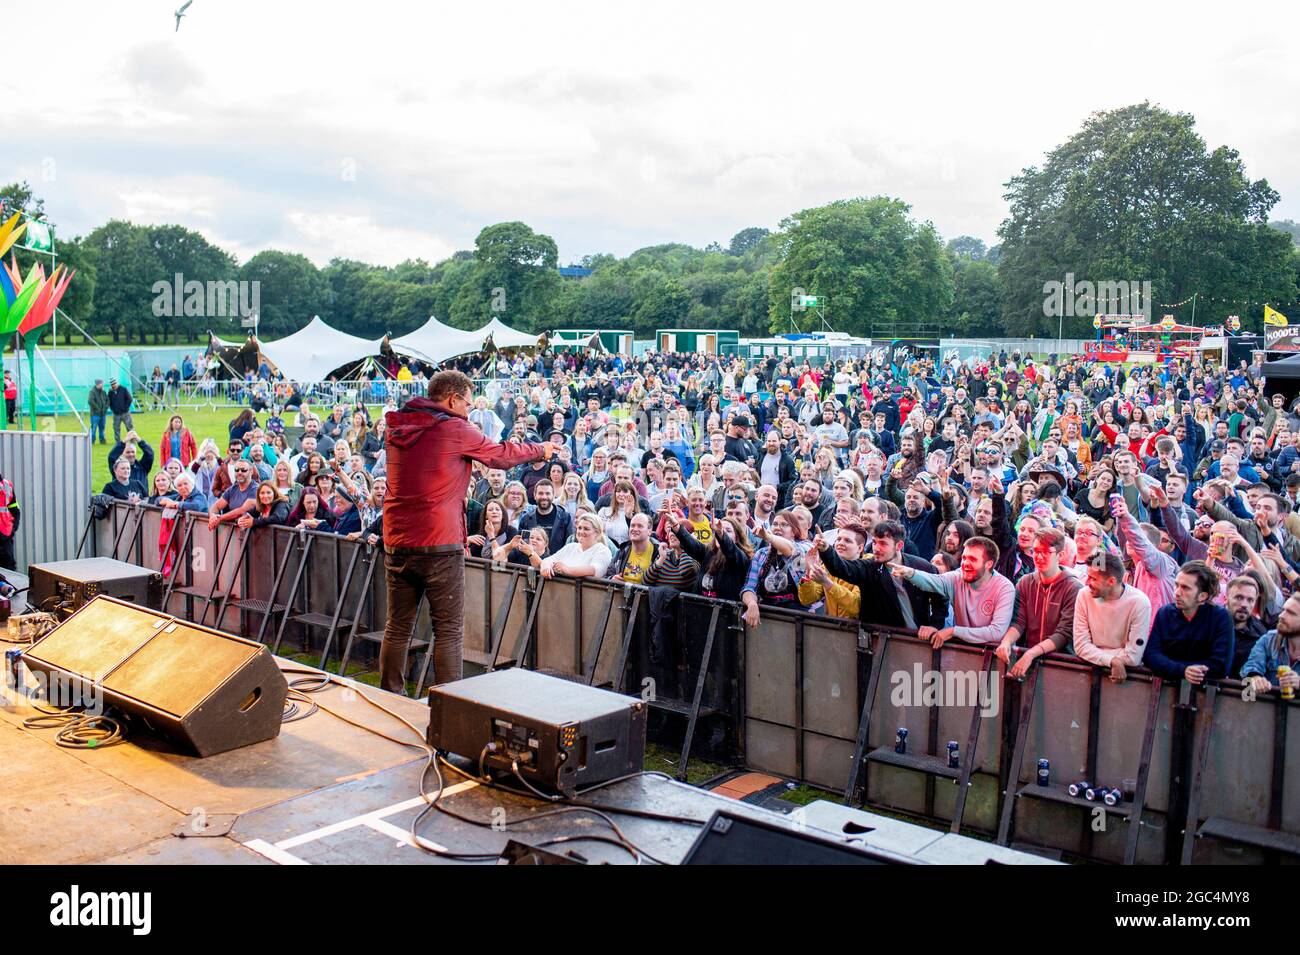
point(1235, 302)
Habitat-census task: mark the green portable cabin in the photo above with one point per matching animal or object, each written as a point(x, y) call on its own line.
point(704, 341)
point(615, 341)
point(815, 350)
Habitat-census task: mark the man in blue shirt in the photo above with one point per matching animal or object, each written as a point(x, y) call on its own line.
point(1192, 638)
point(239, 497)
point(1277, 648)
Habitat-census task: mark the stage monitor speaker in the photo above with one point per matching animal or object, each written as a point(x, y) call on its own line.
point(65, 586)
point(732, 839)
point(205, 690)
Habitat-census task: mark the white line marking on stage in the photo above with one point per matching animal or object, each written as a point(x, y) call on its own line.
point(366, 818)
point(401, 835)
point(274, 853)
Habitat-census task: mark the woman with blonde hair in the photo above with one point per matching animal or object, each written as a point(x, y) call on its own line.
point(572, 493)
point(828, 469)
point(285, 485)
point(588, 556)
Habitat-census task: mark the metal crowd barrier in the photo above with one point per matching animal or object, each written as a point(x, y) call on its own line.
point(818, 700)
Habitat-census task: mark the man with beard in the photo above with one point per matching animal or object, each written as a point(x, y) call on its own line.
point(1265, 530)
point(493, 485)
point(1277, 648)
point(813, 496)
point(1192, 638)
point(1111, 619)
point(554, 520)
point(885, 598)
point(1044, 606)
point(982, 599)
point(1243, 598)
point(777, 467)
point(906, 460)
point(922, 515)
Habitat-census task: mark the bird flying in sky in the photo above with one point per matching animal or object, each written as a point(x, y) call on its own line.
point(181, 12)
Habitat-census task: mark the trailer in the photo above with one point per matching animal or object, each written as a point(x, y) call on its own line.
point(703, 341)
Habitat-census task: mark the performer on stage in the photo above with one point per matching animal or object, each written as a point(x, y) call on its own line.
point(430, 446)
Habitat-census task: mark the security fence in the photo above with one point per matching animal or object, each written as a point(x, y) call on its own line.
point(815, 699)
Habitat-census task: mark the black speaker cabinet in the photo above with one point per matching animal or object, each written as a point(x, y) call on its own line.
point(205, 690)
point(66, 586)
point(732, 839)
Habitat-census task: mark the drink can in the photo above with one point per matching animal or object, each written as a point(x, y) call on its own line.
point(1287, 692)
point(954, 754)
point(1115, 498)
point(900, 740)
point(1094, 793)
point(1044, 772)
point(1079, 788)
point(1111, 797)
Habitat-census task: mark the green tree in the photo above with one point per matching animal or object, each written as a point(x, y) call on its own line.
point(291, 291)
point(515, 278)
point(661, 302)
point(873, 264)
point(126, 268)
point(19, 197)
point(1137, 196)
point(746, 239)
point(977, 302)
point(184, 252)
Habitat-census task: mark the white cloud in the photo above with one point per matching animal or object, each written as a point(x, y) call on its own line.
point(606, 127)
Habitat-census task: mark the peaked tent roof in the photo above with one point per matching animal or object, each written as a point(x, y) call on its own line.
point(434, 342)
point(311, 353)
point(503, 336)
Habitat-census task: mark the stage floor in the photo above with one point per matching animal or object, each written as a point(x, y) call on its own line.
point(322, 792)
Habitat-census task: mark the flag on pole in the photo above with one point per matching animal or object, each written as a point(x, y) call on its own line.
point(1273, 317)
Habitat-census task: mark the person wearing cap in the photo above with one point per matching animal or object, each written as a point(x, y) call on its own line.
point(119, 403)
point(98, 402)
point(738, 446)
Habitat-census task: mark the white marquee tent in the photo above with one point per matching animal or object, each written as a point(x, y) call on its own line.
point(434, 342)
point(503, 336)
point(311, 353)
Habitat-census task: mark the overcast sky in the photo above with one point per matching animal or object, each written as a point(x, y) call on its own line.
point(382, 130)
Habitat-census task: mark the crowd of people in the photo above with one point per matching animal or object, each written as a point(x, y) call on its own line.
point(1140, 517)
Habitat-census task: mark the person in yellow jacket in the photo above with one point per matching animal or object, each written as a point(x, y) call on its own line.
point(842, 599)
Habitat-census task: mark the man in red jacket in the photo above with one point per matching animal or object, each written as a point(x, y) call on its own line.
point(429, 448)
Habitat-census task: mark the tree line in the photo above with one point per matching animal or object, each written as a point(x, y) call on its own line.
point(1136, 195)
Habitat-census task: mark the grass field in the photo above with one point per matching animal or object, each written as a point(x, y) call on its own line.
point(203, 422)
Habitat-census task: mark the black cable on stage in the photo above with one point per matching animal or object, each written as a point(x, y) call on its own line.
point(319, 680)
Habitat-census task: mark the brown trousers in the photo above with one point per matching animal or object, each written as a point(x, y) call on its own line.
point(411, 578)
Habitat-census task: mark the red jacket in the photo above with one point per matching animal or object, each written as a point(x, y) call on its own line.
point(429, 450)
point(189, 450)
